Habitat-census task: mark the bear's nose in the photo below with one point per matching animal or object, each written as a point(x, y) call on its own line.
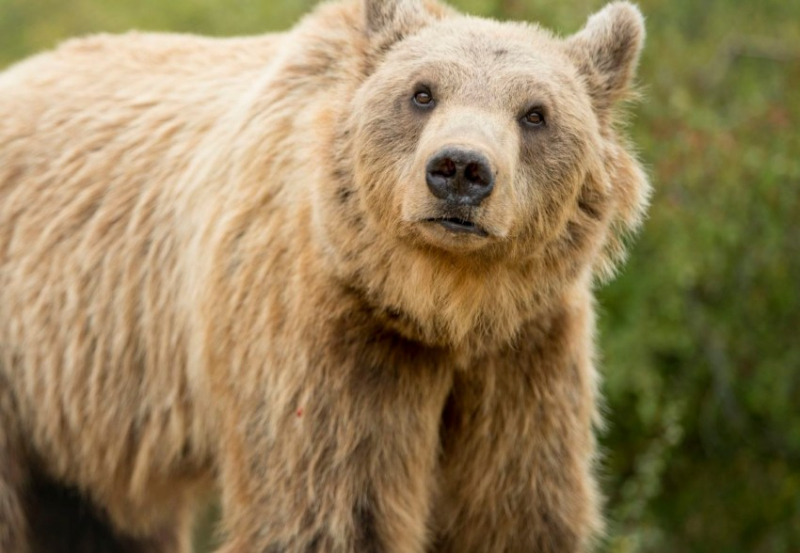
point(460, 176)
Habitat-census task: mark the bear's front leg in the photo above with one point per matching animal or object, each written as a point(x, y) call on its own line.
point(334, 450)
point(518, 446)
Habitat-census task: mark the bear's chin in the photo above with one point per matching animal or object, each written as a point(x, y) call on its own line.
point(453, 235)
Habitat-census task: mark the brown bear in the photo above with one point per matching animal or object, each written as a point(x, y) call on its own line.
point(343, 275)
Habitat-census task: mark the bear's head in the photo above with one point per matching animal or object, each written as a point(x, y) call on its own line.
point(486, 165)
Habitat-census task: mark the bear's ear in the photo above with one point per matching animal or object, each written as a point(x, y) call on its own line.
point(607, 50)
point(390, 20)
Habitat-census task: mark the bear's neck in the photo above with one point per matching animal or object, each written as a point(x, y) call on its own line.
point(468, 308)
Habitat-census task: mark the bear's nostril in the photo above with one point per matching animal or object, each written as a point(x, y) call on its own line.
point(478, 173)
point(445, 168)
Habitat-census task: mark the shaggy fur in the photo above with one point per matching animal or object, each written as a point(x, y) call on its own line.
point(216, 271)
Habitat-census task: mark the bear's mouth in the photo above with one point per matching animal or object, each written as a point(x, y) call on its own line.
point(459, 225)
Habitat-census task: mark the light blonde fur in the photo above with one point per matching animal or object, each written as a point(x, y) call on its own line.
point(214, 271)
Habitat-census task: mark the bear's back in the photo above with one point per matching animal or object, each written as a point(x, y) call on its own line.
point(86, 96)
point(94, 138)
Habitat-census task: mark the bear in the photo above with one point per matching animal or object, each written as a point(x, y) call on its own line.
point(343, 276)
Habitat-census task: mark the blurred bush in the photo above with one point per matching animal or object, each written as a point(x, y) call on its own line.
point(701, 353)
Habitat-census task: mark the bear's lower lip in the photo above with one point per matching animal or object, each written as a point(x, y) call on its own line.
point(457, 225)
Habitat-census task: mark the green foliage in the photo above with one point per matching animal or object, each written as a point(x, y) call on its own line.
point(700, 331)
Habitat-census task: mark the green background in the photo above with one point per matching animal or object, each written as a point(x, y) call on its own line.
point(699, 333)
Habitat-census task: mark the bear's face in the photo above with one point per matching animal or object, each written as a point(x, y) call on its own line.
point(482, 136)
point(475, 135)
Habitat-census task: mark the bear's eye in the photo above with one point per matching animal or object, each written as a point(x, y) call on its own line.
point(534, 118)
point(423, 98)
